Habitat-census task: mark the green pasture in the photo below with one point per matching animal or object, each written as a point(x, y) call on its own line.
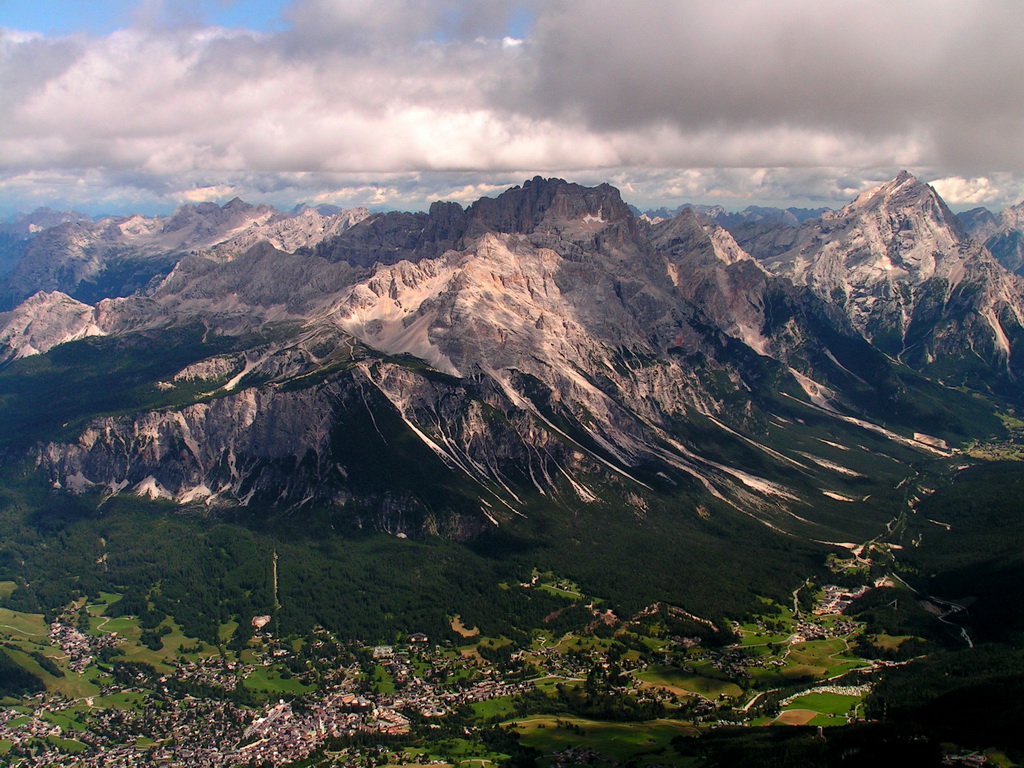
point(123, 700)
point(820, 658)
point(889, 642)
point(675, 678)
point(826, 703)
point(64, 720)
point(500, 707)
point(382, 681)
point(72, 685)
point(20, 626)
point(133, 649)
point(106, 625)
point(226, 631)
point(67, 745)
point(269, 681)
point(617, 741)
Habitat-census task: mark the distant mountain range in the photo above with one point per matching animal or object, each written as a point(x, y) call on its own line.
point(758, 226)
point(451, 371)
point(117, 256)
point(752, 214)
point(1001, 233)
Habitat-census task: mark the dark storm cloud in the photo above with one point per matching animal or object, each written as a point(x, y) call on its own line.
point(942, 75)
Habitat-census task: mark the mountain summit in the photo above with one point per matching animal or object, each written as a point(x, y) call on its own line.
point(463, 368)
point(899, 264)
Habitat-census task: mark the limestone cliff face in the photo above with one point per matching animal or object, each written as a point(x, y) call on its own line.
point(119, 256)
point(1001, 233)
point(444, 372)
point(902, 268)
point(44, 321)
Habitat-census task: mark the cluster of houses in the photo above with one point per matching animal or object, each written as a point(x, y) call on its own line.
point(79, 647)
point(192, 735)
point(835, 599)
point(214, 671)
point(19, 728)
point(380, 691)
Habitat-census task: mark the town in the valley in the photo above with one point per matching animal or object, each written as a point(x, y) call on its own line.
point(115, 698)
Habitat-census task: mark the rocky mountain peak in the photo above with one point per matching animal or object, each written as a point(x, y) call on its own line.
point(903, 204)
point(41, 219)
point(43, 321)
point(901, 266)
point(210, 216)
point(238, 204)
point(898, 232)
point(549, 203)
point(574, 349)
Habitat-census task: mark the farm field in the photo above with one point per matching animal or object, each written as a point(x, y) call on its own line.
point(640, 742)
point(681, 682)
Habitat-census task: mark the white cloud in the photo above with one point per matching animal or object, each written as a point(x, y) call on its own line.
point(430, 92)
point(202, 194)
point(999, 190)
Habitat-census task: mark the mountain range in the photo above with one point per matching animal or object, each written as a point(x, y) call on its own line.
point(453, 371)
point(114, 256)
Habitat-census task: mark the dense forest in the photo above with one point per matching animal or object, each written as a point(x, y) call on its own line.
point(204, 570)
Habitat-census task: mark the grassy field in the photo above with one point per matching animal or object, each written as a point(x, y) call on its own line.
point(226, 631)
point(382, 681)
point(549, 684)
point(752, 637)
point(551, 589)
point(570, 642)
point(501, 707)
point(820, 658)
point(269, 681)
point(106, 600)
point(18, 626)
point(64, 721)
point(105, 625)
point(68, 745)
point(819, 708)
point(826, 703)
point(132, 648)
point(679, 681)
point(795, 717)
point(642, 742)
point(800, 671)
point(889, 642)
point(124, 700)
point(71, 685)
point(453, 752)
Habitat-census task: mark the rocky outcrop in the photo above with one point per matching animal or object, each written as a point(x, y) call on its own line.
point(902, 268)
point(389, 237)
point(111, 257)
point(445, 371)
point(44, 321)
point(1002, 234)
point(289, 233)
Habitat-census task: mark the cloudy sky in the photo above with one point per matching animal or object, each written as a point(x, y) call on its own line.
point(119, 105)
